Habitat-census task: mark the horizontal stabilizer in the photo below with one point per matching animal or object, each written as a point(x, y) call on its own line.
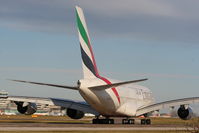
point(102, 87)
point(53, 85)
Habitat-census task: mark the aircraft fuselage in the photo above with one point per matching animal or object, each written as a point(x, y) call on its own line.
point(120, 101)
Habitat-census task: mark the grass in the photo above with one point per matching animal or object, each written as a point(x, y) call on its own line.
point(92, 132)
point(169, 121)
point(40, 119)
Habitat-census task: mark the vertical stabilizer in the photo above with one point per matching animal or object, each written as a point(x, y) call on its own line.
point(88, 60)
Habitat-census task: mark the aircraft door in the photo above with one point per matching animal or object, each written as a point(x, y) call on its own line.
point(140, 94)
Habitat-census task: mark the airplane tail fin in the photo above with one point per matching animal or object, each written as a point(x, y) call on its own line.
point(88, 61)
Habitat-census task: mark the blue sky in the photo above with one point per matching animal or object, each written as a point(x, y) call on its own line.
point(132, 39)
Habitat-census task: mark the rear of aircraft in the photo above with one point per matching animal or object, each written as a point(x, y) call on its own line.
point(91, 75)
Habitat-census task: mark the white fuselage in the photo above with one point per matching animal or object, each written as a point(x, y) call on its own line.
point(108, 103)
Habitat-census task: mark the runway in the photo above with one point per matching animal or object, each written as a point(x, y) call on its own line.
point(92, 129)
point(82, 127)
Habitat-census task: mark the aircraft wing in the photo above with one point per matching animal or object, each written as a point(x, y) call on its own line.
point(167, 104)
point(77, 105)
point(46, 84)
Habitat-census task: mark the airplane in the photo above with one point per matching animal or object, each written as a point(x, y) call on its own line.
point(103, 96)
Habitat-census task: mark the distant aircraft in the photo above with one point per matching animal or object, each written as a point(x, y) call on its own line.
point(104, 97)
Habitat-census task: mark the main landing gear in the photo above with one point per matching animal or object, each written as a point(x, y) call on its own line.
point(128, 121)
point(145, 122)
point(132, 121)
point(103, 121)
point(124, 121)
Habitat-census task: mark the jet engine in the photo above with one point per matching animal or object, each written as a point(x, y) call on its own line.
point(185, 113)
point(75, 114)
point(26, 108)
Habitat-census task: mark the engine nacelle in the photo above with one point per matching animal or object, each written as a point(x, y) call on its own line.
point(184, 113)
point(75, 114)
point(26, 108)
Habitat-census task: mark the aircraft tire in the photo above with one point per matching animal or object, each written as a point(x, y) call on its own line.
point(143, 121)
point(128, 121)
point(103, 121)
point(148, 122)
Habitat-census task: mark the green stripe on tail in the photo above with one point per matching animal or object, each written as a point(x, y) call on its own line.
point(82, 30)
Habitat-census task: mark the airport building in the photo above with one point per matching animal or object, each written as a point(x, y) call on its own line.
point(9, 108)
